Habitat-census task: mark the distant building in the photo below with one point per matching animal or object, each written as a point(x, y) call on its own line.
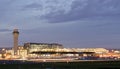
point(22, 52)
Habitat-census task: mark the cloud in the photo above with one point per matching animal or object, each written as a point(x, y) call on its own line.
point(5, 30)
point(57, 11)
point(85, 9)
point(33, 6)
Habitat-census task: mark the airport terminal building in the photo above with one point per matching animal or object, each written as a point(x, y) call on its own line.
point(33, 47)
point(47, 50)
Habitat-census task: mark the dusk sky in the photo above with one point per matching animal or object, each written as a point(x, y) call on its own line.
point(73, 23)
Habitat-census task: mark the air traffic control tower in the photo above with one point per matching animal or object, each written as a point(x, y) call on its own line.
point(15, 40)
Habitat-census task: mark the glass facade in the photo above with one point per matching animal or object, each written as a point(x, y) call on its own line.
point(32, 47)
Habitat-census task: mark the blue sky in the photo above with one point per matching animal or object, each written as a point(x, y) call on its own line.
point(73, 23)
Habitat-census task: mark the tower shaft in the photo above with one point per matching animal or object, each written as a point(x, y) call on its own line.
point(15, 38)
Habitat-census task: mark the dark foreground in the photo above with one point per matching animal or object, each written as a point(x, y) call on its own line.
point(60, 65)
